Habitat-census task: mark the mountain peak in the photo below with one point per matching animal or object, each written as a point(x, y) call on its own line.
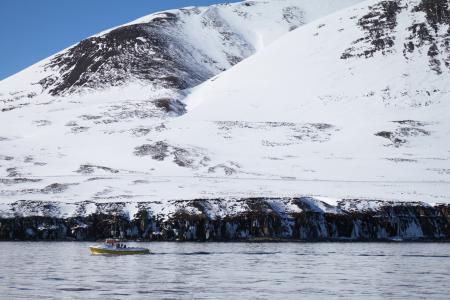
point(351, 104)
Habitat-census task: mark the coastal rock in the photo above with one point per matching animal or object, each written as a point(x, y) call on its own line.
point(278, 219)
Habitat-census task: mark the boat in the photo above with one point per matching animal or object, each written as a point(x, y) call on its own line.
point(116, 247)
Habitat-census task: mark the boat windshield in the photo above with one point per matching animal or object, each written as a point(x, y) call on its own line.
point(111, 242)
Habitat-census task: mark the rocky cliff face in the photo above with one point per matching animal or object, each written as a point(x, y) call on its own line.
point(288, 219)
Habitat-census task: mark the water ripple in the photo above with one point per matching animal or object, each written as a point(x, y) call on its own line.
point(228, 271)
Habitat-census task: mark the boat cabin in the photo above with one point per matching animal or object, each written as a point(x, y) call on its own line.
point(114, 243)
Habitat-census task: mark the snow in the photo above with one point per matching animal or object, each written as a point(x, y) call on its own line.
point(271, 87)
point(293, 120)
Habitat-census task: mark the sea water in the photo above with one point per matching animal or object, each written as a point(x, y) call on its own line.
point(67, 270)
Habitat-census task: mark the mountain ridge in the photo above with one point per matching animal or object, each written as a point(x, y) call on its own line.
point(154, 49)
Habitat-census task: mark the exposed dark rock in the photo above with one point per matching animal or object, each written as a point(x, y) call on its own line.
point(437, 12)
point(79, 129)
point(378, 26)
point(71, 124)
point(171, 106)
point(182, 157)
point(6, 157)
point(188, 158)
point(399, 136)
point(55, 188)
point(11, 107)
point(226, 169)
point(41, 123)
point(13, 172)
point(401, 160)
point(11, 181)
point(412, 123)
point(293, 16)
point(89, 117)
point(431, 36)
point(427, 34)
point(296, 132)
point(141, 131)
point(260, 218)
point(158, 150)
point(90, 169)
point(147, 52)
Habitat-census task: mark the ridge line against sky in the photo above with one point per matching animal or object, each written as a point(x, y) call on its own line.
point(33, 30)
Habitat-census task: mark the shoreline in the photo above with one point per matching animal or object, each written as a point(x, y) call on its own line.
point(255, 241)
point(302, 219)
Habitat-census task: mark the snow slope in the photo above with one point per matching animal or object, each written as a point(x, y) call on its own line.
point(165, 51)
point(346, 116)
point(342, 107)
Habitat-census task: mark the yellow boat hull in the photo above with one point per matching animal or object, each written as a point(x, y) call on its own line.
point(96, 250)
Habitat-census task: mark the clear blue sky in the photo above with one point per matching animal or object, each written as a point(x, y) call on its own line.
point(31, 30)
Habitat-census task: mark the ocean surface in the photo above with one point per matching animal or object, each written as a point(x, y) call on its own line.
point(67, 270)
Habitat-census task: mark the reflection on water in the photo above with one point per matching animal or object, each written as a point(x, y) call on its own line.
point(227, 270)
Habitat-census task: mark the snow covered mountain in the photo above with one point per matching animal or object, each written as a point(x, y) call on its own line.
point(351, 104)
point(361, 111)
point(157, 56)
point(86, 111)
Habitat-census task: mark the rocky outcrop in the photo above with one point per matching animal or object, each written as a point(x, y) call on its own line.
point(288, 219)
point(167, 51)
point(428, 32)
